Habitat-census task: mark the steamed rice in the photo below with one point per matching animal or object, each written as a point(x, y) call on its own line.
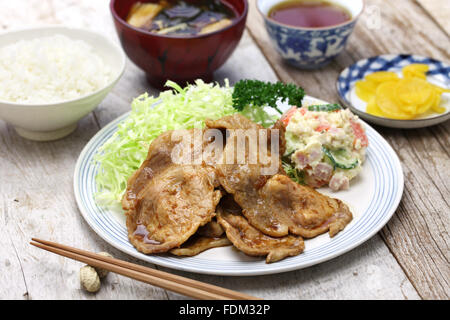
point(50, 69)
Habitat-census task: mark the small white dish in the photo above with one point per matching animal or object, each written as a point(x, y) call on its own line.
point(44, 122)
point(373, 198)
point(439, 74)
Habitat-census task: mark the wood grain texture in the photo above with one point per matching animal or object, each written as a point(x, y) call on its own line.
point(417, 235)
point(37, 200)
point(439, 10)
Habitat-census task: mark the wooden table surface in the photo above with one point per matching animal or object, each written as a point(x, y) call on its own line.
point(408, 259)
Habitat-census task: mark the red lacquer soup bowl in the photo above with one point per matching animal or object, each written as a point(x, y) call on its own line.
point(181, 59)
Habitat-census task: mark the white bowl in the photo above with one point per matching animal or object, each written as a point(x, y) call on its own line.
point(43, 122)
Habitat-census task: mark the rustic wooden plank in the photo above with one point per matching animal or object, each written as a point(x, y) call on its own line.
point(439, 10)
point(418, 233)
point(37, 201)
point(13, 285)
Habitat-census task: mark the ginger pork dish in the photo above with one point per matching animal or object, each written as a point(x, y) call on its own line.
point(208, 166)
point(187, 208)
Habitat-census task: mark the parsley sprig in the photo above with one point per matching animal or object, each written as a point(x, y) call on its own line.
point(257, 93)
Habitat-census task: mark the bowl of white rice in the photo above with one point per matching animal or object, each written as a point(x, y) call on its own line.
point(51, 77)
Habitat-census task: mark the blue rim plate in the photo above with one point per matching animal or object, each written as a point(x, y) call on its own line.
point(439, 74)
point(373, 198)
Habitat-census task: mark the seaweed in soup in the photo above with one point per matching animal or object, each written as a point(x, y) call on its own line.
point(182, 10)
point(181, 18)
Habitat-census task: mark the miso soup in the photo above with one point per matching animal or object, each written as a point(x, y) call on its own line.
point(181, 18)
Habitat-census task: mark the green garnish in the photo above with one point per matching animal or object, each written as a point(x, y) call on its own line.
point(325, 107)
point(292, 172)
point(255, 93)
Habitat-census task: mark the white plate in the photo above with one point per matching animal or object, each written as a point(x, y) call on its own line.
point(439, 74)
point(373, 198)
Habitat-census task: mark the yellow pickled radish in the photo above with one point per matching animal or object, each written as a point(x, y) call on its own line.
point(408, 108)
point(416, 67)
point(440, 89)
point(438, 109)
point(386, 100)
point(413, 91)
point(382, 76)
point(373, 108)
point(365, 90)
point(436, 105)
point(415, 70)
point(404, 98)
point(428, 104)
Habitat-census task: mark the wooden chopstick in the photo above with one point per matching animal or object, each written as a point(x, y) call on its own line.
point(185, 286)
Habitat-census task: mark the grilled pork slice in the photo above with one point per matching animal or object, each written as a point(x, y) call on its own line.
point(252, 241)
point(211, 230)
point(211, 235)
point(197, 244)
point(295, 208)
point(165, 202)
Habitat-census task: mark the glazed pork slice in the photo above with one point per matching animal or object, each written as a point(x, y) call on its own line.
point(297, 209)
point(158, 159)
point(274, 204)
point(209, 236)
point(171, 207)
point(165, 202)
point(235, 121)
point(238, 121)
point(197, 244)
point(211, 230)
point(250, 240)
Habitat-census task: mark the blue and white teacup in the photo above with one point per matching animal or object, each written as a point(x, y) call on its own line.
point(310, 48)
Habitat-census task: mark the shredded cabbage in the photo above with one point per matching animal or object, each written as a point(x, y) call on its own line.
point(121, 155)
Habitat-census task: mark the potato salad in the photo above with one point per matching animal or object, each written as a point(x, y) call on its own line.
point(325, 145)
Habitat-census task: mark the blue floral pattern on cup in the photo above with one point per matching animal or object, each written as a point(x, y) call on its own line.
point(307, 48)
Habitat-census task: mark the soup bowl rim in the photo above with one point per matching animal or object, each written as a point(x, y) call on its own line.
point(236, 21)
point(334, 26)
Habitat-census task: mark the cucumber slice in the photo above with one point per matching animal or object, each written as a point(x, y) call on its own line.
point(325, 107)
point(340, 158)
